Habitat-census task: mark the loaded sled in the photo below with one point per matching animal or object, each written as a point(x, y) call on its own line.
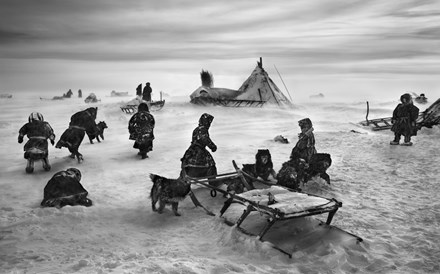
point(273, 214)
point(132, 106)
point(427, 118)
point(153, 106)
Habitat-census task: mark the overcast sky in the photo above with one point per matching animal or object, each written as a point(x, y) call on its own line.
point(318, 46)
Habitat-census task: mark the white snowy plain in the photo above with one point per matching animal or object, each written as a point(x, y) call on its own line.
point(390, 194)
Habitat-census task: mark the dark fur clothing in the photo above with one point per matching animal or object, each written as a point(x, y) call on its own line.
point(139, 90)
point(197, 155)
point(80, 122)
point(64, 189)
point(305, 146)
point(168, 191)
point(38, 132)
point(404, 119)
point(146, 93)
point(141, 127)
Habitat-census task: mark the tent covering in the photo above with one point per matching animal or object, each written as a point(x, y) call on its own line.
point(257, 87)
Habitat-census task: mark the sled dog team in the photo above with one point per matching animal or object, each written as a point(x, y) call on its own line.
point(64, 187)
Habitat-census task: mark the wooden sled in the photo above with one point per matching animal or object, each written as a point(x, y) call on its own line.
point(385, 123)
point(153, 106)
point(267, 210)
point(204, 101)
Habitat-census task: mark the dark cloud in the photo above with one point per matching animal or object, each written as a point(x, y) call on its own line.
point(321, 33)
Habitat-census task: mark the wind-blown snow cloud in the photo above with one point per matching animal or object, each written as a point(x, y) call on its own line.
point(323, 37)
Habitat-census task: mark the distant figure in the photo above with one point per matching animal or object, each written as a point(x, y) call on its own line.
point(146, 94)
point(139, 90)
point(68, 94)
point(140, 127)
point(80, 94)
point(305, 147)
point(36, 148)
point(64, 188)
point(421, 99)
point(197, 161)
point(404, 120)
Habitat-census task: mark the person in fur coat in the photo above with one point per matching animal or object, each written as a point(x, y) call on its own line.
point(141, 127)
point(404, 120)
point(73, 136)
point(305, 147)
point(197, 161)
point(36, 148)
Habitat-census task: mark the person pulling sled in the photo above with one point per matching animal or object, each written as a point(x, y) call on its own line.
point(36, 148)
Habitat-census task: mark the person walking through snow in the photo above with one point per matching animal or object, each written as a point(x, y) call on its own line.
point(36, 148)
point(140, 127)
point(197, 161)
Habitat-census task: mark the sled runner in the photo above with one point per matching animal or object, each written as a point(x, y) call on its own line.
point(271, 212)
point(154, 106)
point(427, 118)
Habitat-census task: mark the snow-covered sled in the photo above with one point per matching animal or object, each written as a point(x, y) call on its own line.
point(427, 118)
point(153, 106)
point(273, 213)
point(132, 106)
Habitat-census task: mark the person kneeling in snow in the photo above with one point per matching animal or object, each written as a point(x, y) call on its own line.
point(64, 188)
point(197, 161)
point(140, 127)
point(404, 120)
point(36, 148)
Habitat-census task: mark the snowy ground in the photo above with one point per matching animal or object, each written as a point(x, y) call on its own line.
point(390, 194)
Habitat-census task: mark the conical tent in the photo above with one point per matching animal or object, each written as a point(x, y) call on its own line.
point(260, 87)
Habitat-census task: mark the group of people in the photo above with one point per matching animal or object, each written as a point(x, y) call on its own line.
point(197, 161)
point(145, 93)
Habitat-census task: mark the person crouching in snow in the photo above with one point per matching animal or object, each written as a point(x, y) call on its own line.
point(197, 161)
point(404, 120)
point(140, 127)
point(305, 147)
point(64, 188)
point(36, 148)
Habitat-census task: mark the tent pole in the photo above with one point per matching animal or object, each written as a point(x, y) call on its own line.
point(283, 83)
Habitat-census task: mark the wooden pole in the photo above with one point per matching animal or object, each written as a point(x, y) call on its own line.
point(283, 84)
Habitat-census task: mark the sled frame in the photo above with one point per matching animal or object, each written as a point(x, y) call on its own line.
point(154, 106)
point(385, 123)
point(273, 215)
